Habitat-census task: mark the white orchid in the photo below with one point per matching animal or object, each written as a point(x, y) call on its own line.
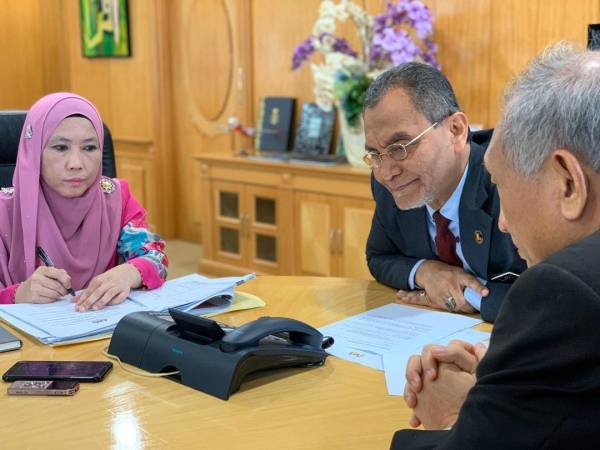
point(327, 8)
point(324, 25)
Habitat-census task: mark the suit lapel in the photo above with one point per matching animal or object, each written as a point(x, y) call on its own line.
point(475, 223)
point(413, 226)
point(476, 232)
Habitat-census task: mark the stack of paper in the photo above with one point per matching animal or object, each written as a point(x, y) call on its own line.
point(58, 322)
point(385, 337)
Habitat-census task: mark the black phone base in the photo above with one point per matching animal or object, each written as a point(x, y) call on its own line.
point(159, 346)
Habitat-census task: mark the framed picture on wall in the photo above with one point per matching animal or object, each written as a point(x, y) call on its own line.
point(104, 28)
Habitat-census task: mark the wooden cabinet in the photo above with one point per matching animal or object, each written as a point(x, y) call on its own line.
point(355, 218)
point(250, 225)
point(332, 233)
point(283, 218)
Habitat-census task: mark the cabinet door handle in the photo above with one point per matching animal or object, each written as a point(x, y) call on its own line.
point(340, 248)
point(331, 242)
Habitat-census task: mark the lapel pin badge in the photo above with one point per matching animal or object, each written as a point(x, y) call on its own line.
point(478, 235)
point(28, 132)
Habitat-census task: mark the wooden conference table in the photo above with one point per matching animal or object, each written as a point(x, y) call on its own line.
point(338, 405)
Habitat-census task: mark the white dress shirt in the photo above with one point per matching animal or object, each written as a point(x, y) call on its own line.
point(450, 211)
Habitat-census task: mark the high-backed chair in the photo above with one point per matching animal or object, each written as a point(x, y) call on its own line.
point(11, 124)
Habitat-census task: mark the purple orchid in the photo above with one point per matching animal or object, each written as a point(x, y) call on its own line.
point(302, 53)
point(392, 43)
point(342, 46)
point(304, 50)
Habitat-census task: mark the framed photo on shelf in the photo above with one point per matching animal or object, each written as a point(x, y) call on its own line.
point(275, 120)
point(593, 38)
point(104, 28)
point(315, 130)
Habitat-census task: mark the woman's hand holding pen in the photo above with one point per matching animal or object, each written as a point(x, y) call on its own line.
point(110, 288)
point(45, 285)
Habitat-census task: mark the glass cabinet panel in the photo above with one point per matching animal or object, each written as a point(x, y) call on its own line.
point(265, 210)
point(266, 248)
point(229, 204)
point(230, 240)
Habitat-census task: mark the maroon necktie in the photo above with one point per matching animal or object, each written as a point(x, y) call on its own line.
point(445, 241)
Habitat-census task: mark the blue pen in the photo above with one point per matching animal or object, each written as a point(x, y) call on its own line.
point(46, 259)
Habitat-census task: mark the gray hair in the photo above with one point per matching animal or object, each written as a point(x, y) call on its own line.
point(429, 90)
point(554, 103)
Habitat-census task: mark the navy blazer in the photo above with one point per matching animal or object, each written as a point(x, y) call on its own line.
point(538, 386)
point(399, 239)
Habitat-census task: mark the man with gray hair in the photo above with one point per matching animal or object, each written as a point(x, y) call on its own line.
point(539, 381)
point(434, 235)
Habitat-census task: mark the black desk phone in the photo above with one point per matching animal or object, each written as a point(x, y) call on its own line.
point(213, 357)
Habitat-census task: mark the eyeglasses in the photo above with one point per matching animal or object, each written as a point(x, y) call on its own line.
point(395, 151)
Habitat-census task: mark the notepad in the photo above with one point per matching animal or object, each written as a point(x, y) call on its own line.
point(58, 322)
point(8, 341)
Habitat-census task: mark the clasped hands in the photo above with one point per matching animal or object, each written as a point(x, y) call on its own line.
point(47, 284)
point(439, 282)
point(438, 380)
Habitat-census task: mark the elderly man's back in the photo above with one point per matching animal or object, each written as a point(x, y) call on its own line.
point(539, 384)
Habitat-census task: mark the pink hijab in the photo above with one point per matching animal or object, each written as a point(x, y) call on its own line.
point(79, 234)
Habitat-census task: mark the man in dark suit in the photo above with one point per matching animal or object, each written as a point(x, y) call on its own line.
point(434, 234)
point(538, 385)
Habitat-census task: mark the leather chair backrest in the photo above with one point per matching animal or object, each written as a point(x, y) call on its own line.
point(11, 124)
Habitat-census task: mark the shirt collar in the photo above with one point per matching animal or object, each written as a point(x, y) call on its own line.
point(450, 209)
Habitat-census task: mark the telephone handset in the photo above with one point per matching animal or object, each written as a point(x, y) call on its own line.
point(277, 330)
point(250, 334)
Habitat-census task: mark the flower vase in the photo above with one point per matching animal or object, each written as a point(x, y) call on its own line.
point(353, 138)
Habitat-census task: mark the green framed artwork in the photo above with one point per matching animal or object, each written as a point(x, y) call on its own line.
point(104, 28)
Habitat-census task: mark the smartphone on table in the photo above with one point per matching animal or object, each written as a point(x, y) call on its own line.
point(86, 371)
point(43, 387)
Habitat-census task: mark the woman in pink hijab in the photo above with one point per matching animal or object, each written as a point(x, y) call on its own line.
point(85, 223)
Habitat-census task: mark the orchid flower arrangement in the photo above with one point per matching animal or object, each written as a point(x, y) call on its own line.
point(388, 39)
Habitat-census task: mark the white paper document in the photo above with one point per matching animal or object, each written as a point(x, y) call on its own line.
point(394, 361)
point(366, 337)
point(59, 322)
point(59, 319)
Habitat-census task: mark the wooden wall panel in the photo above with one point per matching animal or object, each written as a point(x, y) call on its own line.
point(514, 42)
point(55, 55)
point(31, 52)
point(210, 51)
point(462, 32)
point(522, 29)
point(140, 172)
point(288, 23)
point(136, 175)
point(211, 68)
